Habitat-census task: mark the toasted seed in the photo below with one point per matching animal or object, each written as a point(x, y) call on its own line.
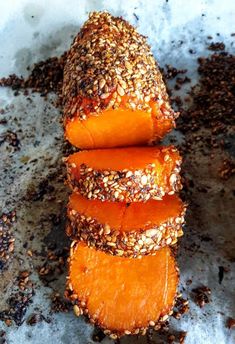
point(104, 95)
point(120, 91)
point(165, 317)
point(144, 180)
point(128, 174)
point(151, 232)
point(113, 336)
point(76, 310)
point(102, 82)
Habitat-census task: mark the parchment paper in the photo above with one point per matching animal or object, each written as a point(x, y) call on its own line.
point(34, 30)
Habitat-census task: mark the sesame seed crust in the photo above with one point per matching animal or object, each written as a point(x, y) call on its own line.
point(107, 62)
point(80, 308)
point(129, 186)
point(134, 243)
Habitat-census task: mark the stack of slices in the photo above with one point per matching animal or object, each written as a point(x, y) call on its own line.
point(124, 212)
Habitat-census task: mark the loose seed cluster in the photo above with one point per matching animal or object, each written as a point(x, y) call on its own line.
point(126, 244)
point(80, 308)
point(7, 241)
point(108, 63)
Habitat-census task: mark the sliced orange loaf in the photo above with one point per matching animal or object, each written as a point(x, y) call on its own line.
point(113, 91)
point(122, 295)
point(129, 174)
point(126, 229)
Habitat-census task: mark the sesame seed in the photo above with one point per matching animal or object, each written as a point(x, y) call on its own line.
point(104, 95)
point(107, 229)
point(120, 90)
point(128, 174)
point(171, 192)
point(116, 194)
point(105, 179)
point(102, 82)
point(151, 232)
point(165, 317)
point(168, 241)
point(173, 178)
point(144, 180)
point(113, 336)
point(76, 310)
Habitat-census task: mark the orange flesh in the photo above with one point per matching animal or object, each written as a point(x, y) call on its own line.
point(123, 293)
point(134, 217)
point(132, 158)
point(112, 128)
point(116, 128)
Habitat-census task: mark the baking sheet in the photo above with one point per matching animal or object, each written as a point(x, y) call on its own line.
point(35, 30)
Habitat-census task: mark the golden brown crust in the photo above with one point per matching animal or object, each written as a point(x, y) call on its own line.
point(109, 60)
point(124, 244)
point(80, 308)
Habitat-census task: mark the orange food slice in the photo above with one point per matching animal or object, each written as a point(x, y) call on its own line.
point(113, 91)
point(122, 295)
point(125, 174)
point(126, 229)
point(103, 131)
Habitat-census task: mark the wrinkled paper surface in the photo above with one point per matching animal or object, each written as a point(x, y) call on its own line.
point(35, 30)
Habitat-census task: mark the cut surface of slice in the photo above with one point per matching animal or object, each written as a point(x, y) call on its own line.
point(129, 174)
point(126, 229)
point(113, 91)
point(103, 131)
point(122, 295)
